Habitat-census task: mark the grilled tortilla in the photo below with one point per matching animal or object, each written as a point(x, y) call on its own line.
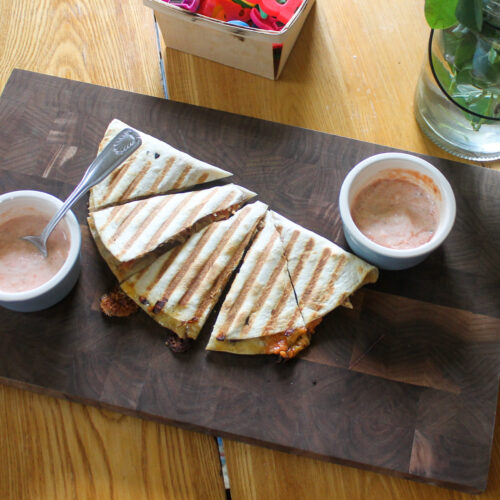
point(155, 168)
point(290, 279)
point(260, 314)
point(132, 235)
point(323, 275)
point(180, 288)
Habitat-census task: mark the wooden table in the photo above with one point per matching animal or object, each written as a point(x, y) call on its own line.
point(353, 73)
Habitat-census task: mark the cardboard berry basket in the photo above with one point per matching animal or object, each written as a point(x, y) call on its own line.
point(257, 51)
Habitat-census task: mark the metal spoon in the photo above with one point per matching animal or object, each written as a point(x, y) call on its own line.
point(119, 149)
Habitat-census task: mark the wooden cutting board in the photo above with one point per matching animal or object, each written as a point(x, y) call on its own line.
point(406, 383)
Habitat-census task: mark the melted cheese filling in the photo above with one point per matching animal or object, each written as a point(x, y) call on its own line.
point(288, 344)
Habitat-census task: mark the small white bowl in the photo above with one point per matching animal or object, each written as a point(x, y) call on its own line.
point(56, 288)
point(373, 168)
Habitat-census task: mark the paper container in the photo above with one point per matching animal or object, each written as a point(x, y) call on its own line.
point(257, 51)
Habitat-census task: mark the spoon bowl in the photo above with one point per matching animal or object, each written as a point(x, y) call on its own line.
point(40, 243)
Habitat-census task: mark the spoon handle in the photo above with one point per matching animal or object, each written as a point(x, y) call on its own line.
point(120, 148)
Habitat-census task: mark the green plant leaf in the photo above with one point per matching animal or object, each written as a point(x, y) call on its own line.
point(450, 41)
point(442, 73)
point(470, 13)
point(465, 52)
point(465, 83)
point(484, 71)
point(440, 14)
point(492, 56)
point(483, 106)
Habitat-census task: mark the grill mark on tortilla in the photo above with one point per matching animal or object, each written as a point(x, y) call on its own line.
point(123, 224)
point(325, 254)
point(262, 298)
point(203, 177)
point(338, 268)
point(330, 287)
point(221, 281)
point(294, 318)
point(187, 265)
point(197, 280)
point(284, 297)
point(291, 243)
point(161, 176)
point(135, 182)
point(298, 269)
point(236, 306)
point(174, 252)
point(135, 236)
point(136, 277)
point(117, 176)
point(303, 257)
point(112, 214)
point(182, 177)
point(300, 263)
point(154, 241)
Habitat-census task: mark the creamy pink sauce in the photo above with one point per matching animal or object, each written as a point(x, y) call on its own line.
point(395, 213)
point(22, 266)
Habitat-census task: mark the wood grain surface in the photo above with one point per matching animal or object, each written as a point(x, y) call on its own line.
point(352, 72)
point(111, 43)
point(29, 39)
point(76, 451)
point(107, 43)
point(281, 474)
point(405, 383)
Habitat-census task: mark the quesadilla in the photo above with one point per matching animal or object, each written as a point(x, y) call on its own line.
point(132, 235)
point(180, 288)
point(323, 275)
point(155, 168)
point(290, 279)
point(260, 314)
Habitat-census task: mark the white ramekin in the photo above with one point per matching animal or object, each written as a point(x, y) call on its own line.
point(52, 291)
point(369, 170)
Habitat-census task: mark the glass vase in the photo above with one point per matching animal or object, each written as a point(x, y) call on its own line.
point(457, 102)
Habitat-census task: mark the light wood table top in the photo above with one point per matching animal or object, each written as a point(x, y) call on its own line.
point(352, 72)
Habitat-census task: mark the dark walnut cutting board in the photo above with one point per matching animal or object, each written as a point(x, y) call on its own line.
point(405, 383)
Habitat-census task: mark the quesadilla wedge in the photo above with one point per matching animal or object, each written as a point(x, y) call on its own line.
point(323, 275)
point(132, 235)
point(260, 314)
point(180, 288)
point(155, 168)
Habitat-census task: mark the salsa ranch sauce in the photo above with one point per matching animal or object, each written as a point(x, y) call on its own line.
point(395, 211)
point(22, 266)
